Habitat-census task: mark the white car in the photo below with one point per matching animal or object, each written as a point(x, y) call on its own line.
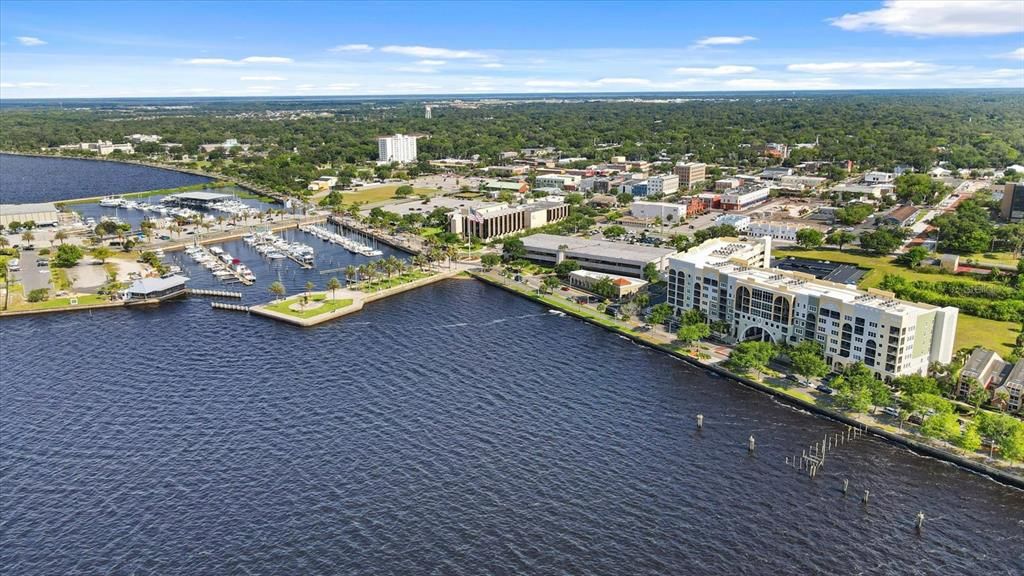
point(14, 265)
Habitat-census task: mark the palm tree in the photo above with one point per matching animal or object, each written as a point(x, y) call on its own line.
point(333, 284)
point(350, 273)
point(451, 252)
point(309, 289)
point(4, 242)
point(61, 235)
point(277, 289)
point(27, 237)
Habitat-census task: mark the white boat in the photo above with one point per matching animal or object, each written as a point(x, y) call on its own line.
point(112, 202)
point(216, 250)
point(159, 252)
point(275, 255)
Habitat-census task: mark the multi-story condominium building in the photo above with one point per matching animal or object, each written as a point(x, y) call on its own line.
point(637, 188)
point(690, 173)
point(879, 178)
point(663, 184)
point(399, 148)
point(1011, 208)
point(487, 221)
point(729, 281)
point(744, 196)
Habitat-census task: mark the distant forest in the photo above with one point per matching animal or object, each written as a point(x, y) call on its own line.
point(966, 129)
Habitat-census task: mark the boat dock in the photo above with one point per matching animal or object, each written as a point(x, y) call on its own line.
point(223, 267)
point(350, 244)
point(215, 293)
point(274, 247)
point(224, 306)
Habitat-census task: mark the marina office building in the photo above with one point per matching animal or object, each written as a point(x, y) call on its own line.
point(596, 255)
point(729, 280)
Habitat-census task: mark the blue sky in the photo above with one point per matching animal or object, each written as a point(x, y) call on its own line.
point(97, 49)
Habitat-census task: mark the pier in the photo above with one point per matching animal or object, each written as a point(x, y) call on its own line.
point(219, 265)
point(353, 246)
point(215, 293)
point(225, 306)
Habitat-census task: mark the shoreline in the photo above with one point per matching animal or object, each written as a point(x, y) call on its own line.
point(920, 448)
point(214, 177)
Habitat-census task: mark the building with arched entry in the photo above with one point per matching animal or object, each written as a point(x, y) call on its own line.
point(729, 281)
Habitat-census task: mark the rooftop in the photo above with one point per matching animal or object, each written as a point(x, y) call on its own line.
point(150, 285)
point(15, 209)
point(201, 196)
point(603, 248)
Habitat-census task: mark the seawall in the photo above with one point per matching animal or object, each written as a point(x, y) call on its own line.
point(996, 474)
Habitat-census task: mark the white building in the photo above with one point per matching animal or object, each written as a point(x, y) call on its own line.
point(775, 230)
point(560, 181)
point(879, 177)
point(738, 221)
point(667, 211)
point(727, 184)
point(744, 196)
point(596, 255)
point(398, 148)
point(729, 281)
point(663, 184)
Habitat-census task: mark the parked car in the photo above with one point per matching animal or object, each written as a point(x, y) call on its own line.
point(14, 265)
point(42, 262)
point(825, 389)
point(792, 377)
point(892, 411)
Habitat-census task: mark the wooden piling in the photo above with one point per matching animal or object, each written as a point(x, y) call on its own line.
point(846, 485)
point(867, 493)
point(920, 522)
point(700, 421)
point(750, 444)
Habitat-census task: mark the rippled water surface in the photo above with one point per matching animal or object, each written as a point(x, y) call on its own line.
point(27, 179)
point(456, 429)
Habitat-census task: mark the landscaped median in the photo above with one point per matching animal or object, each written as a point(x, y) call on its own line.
point(299, 307)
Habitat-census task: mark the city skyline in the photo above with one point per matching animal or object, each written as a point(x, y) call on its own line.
point(68, 50)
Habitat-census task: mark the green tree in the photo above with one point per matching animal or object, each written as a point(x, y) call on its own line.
point(333, 285)
point(751, 356)
point(550, 283)
point(882, 241)
point(403, 191)
point(807, 360)
point(840, 238)
point(651, 273)
point(689, 333)
point(970, 439)
point(809, 238)
point(61, 236)
point(101, 253)
point(913, 257)
point(512, 249)
point(27, 237)
point(67, 256)
point(659, 314)
point(277, 289)
point(614, 231)
point(490, 260)
point(38, 295)
point(566, 267)
point(854, 213)
point(604, 288)
point(943, 426)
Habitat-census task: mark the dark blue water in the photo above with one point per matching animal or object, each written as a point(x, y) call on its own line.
point(26, 179)
point(455, 429)
point(135, 217)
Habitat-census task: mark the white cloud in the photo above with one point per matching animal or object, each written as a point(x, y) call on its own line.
point(259, 88)
point(351, 48)
point(938, 18)
point(1017, 54)
point(242, 62)
point(262, 78)
point(26, 85)
point(725, 70)
point(267, 60)
point(724, 41)
point(554, 83)
point(211, 62)
point(428, 52)
point(417, 69)
point(305, 87)
point(342, 86)
point(493, 65)
point(889, 67)
point(30, 41)
point(431, 62)
point(780, 84)
point(623, 82)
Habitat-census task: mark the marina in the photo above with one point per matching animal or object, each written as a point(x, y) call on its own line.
point(222, 265)
point(352, 245)
point(274, 247)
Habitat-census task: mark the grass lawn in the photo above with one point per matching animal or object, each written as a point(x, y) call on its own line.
point(970, 330)
point(373, 194)
point(61, 302)
point(328, 306)
point(1005, 258)
point(385, 283)
point(992, 334)
point(59, 278)
point(429, 231)
point(879, 266)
